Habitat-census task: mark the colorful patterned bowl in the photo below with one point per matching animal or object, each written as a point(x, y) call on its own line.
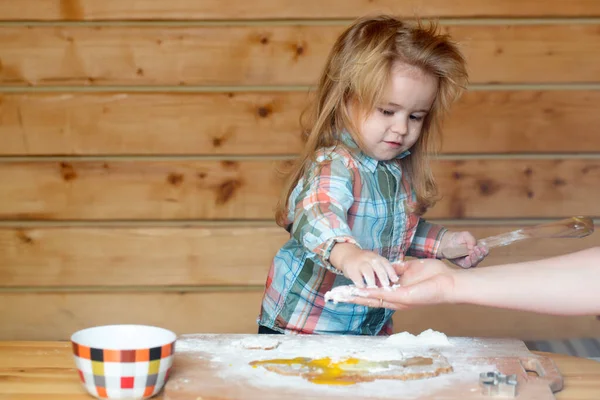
point(123, 361)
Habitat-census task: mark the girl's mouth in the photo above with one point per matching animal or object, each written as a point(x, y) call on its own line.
point(393, 144)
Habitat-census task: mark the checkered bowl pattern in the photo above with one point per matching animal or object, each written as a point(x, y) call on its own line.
point(123, 374)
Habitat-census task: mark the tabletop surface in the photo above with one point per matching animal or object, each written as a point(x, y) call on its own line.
point(45, 370)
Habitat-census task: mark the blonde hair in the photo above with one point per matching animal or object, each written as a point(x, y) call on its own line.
point(358, 69)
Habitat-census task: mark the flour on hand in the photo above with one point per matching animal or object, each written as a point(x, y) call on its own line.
point(346, 293)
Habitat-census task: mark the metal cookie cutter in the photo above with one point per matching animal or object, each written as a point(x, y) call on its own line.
point(497, 384)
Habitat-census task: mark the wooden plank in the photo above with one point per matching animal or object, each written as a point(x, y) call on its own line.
point(259, 123)
point(248, 189)
point(137, 256)
point(151, 123)
point(516, 121)
point(61, 314)
point(55, 316)
point(164, 189)
point(514, 188)
point(271, 54)
point(180, 256)
point(287, 9)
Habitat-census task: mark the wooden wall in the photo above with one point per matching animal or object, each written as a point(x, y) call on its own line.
point(139, 143)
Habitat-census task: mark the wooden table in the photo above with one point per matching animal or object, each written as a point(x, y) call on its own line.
point(45, 370)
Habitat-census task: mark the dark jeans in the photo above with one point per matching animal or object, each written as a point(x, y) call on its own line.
point(269, 331)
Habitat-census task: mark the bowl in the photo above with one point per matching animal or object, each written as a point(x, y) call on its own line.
point(123, 361)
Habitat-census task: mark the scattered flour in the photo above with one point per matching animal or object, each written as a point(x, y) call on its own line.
point(231, 364)
point(261, 342)
point(426, 338)
point(347, 292)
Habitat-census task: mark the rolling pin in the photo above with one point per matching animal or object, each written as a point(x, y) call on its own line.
point(574, 227)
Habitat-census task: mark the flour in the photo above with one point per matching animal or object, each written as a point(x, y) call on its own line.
point(380, 389)
point(230, 363)
point(257, 343)
point(345, 293)
point(426, 338)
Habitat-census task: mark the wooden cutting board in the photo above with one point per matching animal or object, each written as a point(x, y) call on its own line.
point(211, 367)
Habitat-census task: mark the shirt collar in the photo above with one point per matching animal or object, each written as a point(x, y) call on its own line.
point(368, 162)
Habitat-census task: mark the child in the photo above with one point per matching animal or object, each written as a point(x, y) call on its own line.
point(352, 204)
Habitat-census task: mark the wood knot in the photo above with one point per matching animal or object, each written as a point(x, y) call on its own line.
point(457, 175)
point(299, 50)
point(528, 171)
point(218, 142)
point(559, 182)
point(488, 187)
point(139, 72)
point(264, 40)
point(226, 190)
point(24, 237)
point(175, 179)
point(67, 171)
point(228, 164)
point(264, 111)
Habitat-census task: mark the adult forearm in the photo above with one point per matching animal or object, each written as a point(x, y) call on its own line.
point(564, 285)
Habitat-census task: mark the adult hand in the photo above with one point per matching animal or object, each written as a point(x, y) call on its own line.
point(421, 282)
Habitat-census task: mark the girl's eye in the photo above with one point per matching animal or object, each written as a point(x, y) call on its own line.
point(387, 113)
point(417, 118)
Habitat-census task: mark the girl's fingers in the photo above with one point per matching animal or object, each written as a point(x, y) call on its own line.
point(391, 272)
point(484, 250)
point(474, 259)
point(479, 253)
point(465, 262)
point(381, 272)
point(357, 278)
point(368, 275)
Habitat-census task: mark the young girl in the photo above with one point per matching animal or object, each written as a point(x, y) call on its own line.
point(353, 202)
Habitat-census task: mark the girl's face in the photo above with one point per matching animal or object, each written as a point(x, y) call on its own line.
point(395, 125)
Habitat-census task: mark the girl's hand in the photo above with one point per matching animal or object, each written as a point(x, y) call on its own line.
point(422, 282)
point(455, 239)
point(362, 266)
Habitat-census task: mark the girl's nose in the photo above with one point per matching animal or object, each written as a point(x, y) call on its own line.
point(400, 127)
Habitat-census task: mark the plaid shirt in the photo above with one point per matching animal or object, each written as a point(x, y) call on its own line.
point(345, 197)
